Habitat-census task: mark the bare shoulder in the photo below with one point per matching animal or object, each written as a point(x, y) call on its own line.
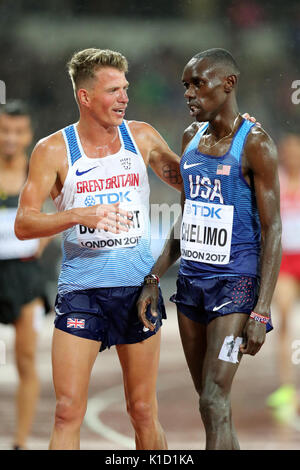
point(51, 149)
point(190, 132)
point(260, 146)
point(147, 137)
point(52, 143)
point(142, 129)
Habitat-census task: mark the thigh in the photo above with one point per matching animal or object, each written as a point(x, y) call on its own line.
point(72, 361)
point(139, 362)
point(193, 338)
point(222, 356)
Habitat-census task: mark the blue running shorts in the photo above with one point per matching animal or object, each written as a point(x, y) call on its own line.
point(108, 315)
point(203, 300)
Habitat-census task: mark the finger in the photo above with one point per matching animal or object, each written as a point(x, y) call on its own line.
point(111, 226)
point(142, 308)
point(249, 349)
point(120, 219)
point(246, 116)
point(105, 209)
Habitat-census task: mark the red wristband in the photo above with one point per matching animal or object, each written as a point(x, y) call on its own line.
point(259, 318)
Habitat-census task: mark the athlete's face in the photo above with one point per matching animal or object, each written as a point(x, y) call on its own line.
point(205, 91)
point(107, 96)
point(15, 135)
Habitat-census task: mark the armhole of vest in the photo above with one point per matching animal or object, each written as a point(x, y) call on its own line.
point(67, 148)
point(74, 152)
point(128, 141)
point(240, 140)
point(237, 149)
point(195, 140)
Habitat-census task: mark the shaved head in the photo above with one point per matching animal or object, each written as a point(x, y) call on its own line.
point(219, 57)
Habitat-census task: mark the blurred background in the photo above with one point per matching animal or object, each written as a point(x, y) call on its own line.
point(158, 38)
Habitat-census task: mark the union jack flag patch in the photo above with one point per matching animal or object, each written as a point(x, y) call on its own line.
point(75, 323)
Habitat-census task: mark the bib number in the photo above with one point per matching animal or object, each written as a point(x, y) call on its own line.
point(98, 239)
point(206, 232)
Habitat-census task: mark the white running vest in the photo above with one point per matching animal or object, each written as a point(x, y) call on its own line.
point(94, 258)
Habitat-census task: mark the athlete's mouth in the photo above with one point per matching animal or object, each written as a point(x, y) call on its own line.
point(120, 111)
point(194, 110)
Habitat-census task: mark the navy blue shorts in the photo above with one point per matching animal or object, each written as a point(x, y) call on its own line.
point(203, 300)
point(108, 315)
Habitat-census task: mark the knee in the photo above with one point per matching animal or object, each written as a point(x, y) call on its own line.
point(69, 411)
point(215, 403)
point(141, 413)
point(26, 364)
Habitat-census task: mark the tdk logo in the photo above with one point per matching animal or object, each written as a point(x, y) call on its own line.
point(206, 211)
point(109, 198)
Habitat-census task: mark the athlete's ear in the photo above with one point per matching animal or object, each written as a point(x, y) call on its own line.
point(230, 83)
point(83, 97)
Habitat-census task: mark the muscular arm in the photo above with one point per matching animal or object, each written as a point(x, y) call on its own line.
point(170, 253)
point(157, 154)
point(171, 250)
point(45, 170)
point(261, 157)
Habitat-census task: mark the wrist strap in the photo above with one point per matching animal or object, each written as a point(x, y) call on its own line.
point(259, 318)
point(151, 279)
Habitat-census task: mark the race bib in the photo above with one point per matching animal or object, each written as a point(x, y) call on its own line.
point(10, 246)
point(96, 239)
point(206, 232)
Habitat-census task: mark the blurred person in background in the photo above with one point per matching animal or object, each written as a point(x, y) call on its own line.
point(284, 400)
point(23, 300)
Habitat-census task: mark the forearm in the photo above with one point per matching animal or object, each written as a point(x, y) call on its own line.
point(33, 224)
point(171, 250)
point(269, 267)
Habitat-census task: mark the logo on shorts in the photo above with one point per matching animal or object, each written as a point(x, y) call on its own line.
point(75, 323)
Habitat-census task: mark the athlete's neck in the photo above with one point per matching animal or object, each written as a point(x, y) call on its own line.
point(95, 133)
point(224, 122)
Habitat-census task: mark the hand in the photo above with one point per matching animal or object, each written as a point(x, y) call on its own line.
point(251, 118)
point(254, 335)
point(108, 217)
point(149, 295)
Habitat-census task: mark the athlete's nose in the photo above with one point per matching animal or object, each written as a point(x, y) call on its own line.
point(123, 97)
point(189, 93)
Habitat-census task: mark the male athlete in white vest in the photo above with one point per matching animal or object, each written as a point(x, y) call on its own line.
point(96, 173)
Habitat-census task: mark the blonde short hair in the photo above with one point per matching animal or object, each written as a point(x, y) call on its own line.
point(83, 64)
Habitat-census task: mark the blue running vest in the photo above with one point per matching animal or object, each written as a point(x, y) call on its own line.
point(220, 234)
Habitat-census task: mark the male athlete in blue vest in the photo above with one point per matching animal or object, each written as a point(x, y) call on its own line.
point(229, 240)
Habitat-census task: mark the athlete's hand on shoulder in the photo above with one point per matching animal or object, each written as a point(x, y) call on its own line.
point(251, 118)
point(254, 335)
point(108, 217)
point(149, 295)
